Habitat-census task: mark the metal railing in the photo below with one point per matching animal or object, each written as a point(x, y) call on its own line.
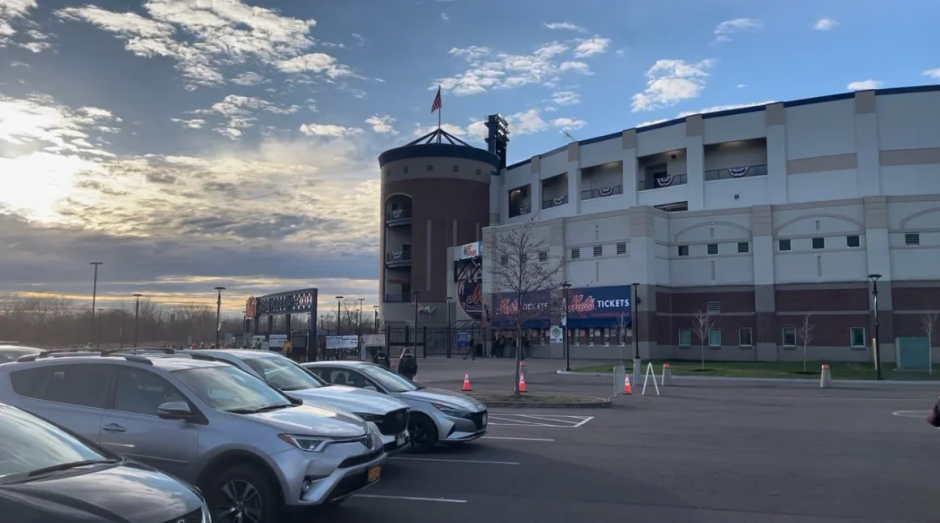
point(398, 297)
point(602, 192)
point(650, 183)
point(554, 202)
point(736, 172)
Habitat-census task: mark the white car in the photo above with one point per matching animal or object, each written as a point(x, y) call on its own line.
point(388, 415)
point(437, 415)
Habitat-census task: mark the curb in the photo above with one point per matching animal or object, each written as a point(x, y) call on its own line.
point(761, 380)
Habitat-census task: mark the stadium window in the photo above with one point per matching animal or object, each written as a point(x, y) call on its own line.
point(783, 245)
point(621, 248)
point(712, 248)
point(857, 337)
point(789, 336)
point(685, 338)
point(744, 337)
point(575, 253)
point(819, 243)
point(853, 241)
point(744, 247)
point(598, 251)
point(912, 239)
point(683, 250)
point(543, 256)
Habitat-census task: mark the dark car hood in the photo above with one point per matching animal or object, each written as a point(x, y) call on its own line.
point(118, 494)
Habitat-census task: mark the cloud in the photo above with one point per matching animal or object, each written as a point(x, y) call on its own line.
point(249, 78)
point(444, 17)
point(741, 86)
point(38, 122)
point(315, 129)
point(527, 122)
point(729, 27)
point(566, 26)
point(825, 24)
point(566, 98)
point(933, 73)
point(568, 124)
point(359, 38)
point(718, 108)
point(863, 85)
point(455, 130)
point(382, 124)
point(205, 37)
point(670, 82)
point(195, 123)
point(591, 47)
point(239, 112)
point(12, 12)
point(488, 69)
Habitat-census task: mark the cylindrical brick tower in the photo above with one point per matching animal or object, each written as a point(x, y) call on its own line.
point(435, 195)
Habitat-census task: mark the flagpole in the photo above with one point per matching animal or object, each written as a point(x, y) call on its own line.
point(439, 111)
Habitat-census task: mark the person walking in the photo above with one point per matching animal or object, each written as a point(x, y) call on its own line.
point(287, 348)
point(407, 365)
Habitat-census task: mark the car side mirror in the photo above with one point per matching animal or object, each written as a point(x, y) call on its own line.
point(175, 410)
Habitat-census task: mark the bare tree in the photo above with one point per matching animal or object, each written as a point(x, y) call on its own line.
point(804, 334)
point(702, 325)
point(929, 321)
point(521, 264)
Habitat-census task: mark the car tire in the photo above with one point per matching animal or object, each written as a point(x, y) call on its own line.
point(423, 431)
point(245, 485)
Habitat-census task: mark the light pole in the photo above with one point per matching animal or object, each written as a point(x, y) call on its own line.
point(414, 295)
point(566, 286)
point(94, 297)
point(449, 334)
point(218, 314)
point(339, 301)
point(635, 325)
point(359, 331)
point(98, 331)
point(877, 345)
point(136, 316)
point(375, 322)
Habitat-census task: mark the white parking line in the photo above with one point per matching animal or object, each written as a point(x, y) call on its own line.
point(478, 462)
point(539, 420)
point(408, 498)
point(589, 418)
point(517, 439)
point(911, 413)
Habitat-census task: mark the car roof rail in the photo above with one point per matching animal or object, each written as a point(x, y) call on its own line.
point(82, 352)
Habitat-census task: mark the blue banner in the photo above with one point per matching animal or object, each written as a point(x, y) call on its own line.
point(463, 339)
point(598, 307)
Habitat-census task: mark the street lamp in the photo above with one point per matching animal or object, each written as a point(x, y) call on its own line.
point(136, 316)
point(98, 331)
point(566, 286)
point(339, 301)
point(874, 293)
point(94, 297)
point(449, 335)
point(375, 322)
point(414, 295)
point(359, 331)
point(218, 314)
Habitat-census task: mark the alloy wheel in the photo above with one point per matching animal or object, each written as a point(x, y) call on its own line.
point(242, 503)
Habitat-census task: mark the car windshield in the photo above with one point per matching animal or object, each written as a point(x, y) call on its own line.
point(282, 373)
point(28, 443)
point(391, 381)
point(230, 389)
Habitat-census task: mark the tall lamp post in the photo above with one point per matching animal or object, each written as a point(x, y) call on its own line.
point(566, 286)
point(339, 312)
point(94, 298)
point(635, 325)
point(359, 331)
point(449, 334)
point(877, 343)
point(136, 316)
point(98, 331)
point(375, 321)
point(414, 295)
point(218, 314)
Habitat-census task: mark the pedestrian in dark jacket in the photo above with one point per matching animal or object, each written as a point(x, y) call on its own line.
point(407, 365)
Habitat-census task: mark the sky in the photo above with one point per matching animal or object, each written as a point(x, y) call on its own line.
point(189, 144)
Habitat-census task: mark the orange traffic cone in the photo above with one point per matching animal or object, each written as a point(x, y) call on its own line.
point(466, 382)
point(522, 381)
point(627, 389)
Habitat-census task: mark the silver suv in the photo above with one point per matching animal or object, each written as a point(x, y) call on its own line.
point(251, 449)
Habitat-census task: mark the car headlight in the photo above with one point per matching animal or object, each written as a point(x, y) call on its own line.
point(308, 443)
point(451, 411)
point(370, 417)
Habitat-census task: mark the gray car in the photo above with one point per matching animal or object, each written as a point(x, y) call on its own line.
point(437, 415)
point(251, 449)
point(388, 415)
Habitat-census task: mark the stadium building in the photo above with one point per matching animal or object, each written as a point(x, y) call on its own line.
point(762, 219)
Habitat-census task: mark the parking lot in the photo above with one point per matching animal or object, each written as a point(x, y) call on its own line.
point(708, 452)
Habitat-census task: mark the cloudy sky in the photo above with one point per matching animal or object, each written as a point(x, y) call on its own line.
point(194, 143)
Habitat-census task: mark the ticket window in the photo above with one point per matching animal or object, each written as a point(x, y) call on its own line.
point(578, 333)
point(606, 334)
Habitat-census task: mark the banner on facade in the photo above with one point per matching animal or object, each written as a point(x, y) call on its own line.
point(341, 342)
point(598, 307)
point(470, 251)
point(468, 276)
point(536, 307)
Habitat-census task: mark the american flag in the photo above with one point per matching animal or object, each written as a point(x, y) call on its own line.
point(437, 101)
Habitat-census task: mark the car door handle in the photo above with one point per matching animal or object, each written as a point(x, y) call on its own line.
point(114, 427)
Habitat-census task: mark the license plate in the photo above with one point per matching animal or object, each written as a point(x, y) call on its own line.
point(374, 474)
point(400, 439)
point(484, 419)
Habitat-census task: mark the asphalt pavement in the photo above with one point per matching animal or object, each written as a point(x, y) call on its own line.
point(700, 452)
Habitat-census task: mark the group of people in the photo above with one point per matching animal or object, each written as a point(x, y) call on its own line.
point(506, 346)
point(407, 363)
